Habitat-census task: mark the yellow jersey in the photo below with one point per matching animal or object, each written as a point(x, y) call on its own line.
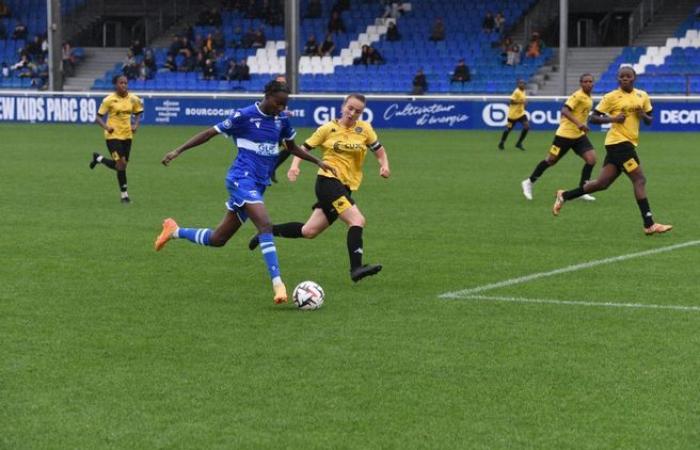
point(617, 102)
point(344, 149)
point(120, 110)
point(516, 111)
point(580, 105)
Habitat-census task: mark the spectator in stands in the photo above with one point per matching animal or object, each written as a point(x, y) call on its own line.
point(189, 60)
point(369, 56)
point(169, 65)
point(3, 30)
point(243, 71)
point(327, 46)
point(248, 38)
point(314, 10)
point(488, 24)
point(45, 46)
point(420, 83)
point(311, 46)
point(392, 33)
point(186, 48)
point(4, 10)
point(336, 24)
point(461, 73)
point(22, 63)
point(237, 37)
point(259, 40)
point(67, 59)
point(208, 45)
point(231, 71)
point(20, 32)
point(513, 56)
point(130, 68)
point(209, 70)
point(175, 46)
point(535, 46)
point(219, 40)
point(506, 44)
point(5, 70)
point(438, 31)
point(136, 48)
point(33, 48)
point(41, 74)
point(148, 67)
point(500, 23)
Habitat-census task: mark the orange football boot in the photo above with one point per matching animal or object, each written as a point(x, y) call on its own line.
point(169, 227)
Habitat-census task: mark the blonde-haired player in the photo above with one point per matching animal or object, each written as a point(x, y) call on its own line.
point(344, 142)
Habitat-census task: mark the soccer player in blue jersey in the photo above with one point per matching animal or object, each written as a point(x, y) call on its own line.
point(257, 131)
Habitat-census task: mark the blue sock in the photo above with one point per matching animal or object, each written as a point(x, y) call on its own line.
point(269, 252)
point(197, 235)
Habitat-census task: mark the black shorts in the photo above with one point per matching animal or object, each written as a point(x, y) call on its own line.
point(561, 145)
point(623, 156)
point(521, 120)
point(119, 148)
point(333, 197)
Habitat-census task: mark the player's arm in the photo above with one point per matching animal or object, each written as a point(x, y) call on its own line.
point(196, 140)
point(566, 112)
point(600, 118)
point(380, 154)
point(136, 122)
point(303, 153)
point(100, 119)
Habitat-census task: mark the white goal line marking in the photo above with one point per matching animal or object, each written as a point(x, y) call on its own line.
point(466, 293)
point(579, 303)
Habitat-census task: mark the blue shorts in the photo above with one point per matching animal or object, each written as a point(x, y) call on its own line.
point(242, 191)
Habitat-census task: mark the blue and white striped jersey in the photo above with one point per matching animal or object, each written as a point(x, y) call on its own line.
point(257, 136)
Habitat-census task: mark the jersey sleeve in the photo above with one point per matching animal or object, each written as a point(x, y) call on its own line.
point(137, 105)
point(288, 132)
point(647, 104)
point(318, 138)
point(104, 107)
point(514, 96)
point(232, 126)
point(572, 102)
point(371, 139)
point(605, 105)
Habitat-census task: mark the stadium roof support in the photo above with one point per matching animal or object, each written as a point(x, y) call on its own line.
point(291, 29)
point(54, 32)
point(563, 43)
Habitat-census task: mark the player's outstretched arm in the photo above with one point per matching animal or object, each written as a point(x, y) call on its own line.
point(566, 112)
point(383, 159)
point(198, 139)
point(101, 122)
point(305, 155)
point(293, 172)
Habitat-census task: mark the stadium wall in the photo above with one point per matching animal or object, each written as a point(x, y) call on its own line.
point(672, 113)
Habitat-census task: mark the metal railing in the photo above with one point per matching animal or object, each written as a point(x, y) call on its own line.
point(641, 16)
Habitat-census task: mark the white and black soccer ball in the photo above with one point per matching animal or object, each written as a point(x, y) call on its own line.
point(308, 295)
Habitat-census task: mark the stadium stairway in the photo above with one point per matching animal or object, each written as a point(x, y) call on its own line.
point(665, 23)
point(593, 60)
point(98, 60)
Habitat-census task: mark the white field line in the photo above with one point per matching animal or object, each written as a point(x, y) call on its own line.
point(579, 303)
point(464, 293)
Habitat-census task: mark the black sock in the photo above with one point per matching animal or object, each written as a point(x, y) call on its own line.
point(504, 136)
point(109, 163)
point(355, 246)
point(539, 170)
point(522, 135)
point(121, 179)
point(585, 174)
point(645, 209)
point(282, 157)
point(288, 230)
point(574, 193)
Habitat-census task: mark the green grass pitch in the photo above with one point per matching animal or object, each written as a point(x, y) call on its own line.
point(105, 343)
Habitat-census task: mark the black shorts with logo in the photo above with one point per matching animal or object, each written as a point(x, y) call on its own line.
point(333, 197)
point(561, 145)
point(119, 148)
point(521, 120)
point(623, 156)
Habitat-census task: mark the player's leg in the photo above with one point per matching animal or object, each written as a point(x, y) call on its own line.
point(607, 176)
point(356, 224)
point(124, 152)
point(639, 181)
point(506, 132)
point(99, 159)
point(314, 225)
point(556, 151)
point(526, 128)
point(200, 236)
point(259, 216)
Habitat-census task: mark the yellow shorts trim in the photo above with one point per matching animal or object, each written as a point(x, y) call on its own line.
point(341, 204)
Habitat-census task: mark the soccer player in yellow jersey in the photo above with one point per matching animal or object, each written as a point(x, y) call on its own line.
point(119, 128)
point(623, 108)
point(516, 114)
point(571, 134)
point(345, 143)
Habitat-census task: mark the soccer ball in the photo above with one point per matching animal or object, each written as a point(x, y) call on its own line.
point(308, 295)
